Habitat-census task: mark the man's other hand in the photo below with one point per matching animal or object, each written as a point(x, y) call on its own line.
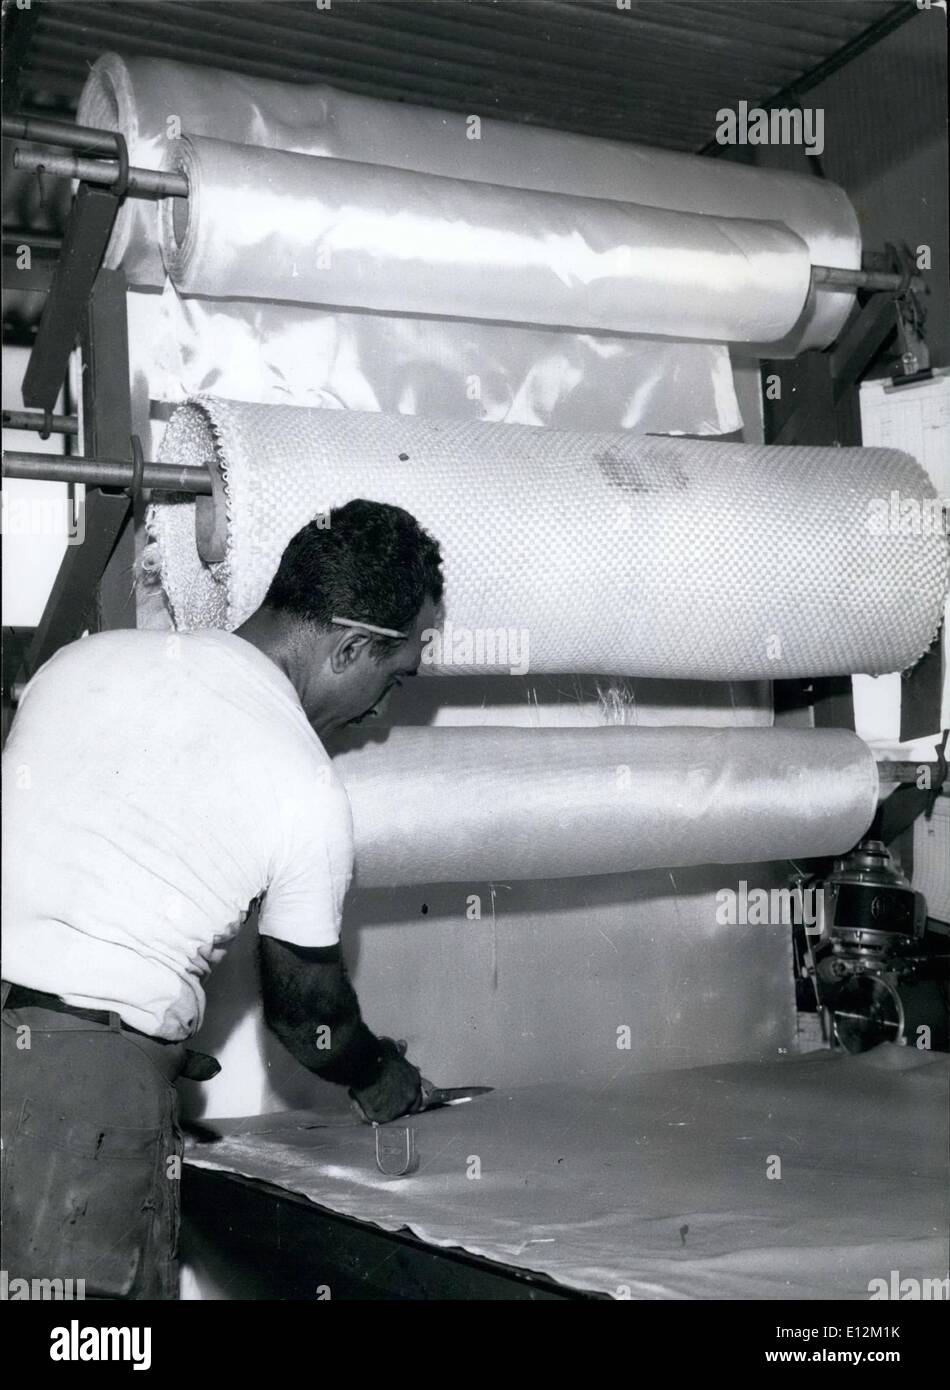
point(397, 1091)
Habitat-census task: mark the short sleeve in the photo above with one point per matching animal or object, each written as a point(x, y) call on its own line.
point(303, 903)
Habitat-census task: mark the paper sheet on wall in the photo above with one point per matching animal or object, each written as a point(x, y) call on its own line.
point(915, 418)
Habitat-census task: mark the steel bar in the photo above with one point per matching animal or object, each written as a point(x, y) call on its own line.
point(73, 137)
point(837, 278)
point(107, 433)
point(142, 182)
point(100, 566)
point(36, 420)
point(114, 473)
point(908, 772)
point(855, 351)
point(87, 235)
point(36, 241)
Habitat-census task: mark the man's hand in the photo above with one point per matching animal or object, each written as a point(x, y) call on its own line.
point(397, 1091)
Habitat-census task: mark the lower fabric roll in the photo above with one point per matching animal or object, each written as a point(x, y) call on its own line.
point(590, 553)
point(269, 224)
point(463, 805)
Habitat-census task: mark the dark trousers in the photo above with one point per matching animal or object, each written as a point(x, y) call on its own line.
point(91, 1154)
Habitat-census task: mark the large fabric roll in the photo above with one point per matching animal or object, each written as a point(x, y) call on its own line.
point(464, 805)
point(598, 553)
point(267, 224)
point(295, 354)
point(151, 99)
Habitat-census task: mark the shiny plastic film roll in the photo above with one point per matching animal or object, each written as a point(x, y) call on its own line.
point(267, 224)
point(588, 553)
point(275, 352)
point(153, 100)
point(489, 804)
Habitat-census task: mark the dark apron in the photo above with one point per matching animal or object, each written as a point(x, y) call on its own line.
point(92, 1150)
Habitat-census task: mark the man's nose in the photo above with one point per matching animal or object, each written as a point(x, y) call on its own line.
point(382, 704)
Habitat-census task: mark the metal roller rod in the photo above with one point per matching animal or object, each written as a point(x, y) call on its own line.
point(142, 182)
point(836, 278)
point(163, 477)
point(168, 185)
point(908, 772)
point(73, 137)
point(37, 241)
point(36, 420)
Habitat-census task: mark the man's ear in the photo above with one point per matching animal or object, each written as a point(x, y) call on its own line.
point(347, 650)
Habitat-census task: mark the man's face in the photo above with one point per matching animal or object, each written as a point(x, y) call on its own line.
point(351, 684)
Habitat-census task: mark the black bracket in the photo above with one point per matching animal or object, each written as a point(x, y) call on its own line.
point(911, 317)
point(87, 235)
point(107, 426)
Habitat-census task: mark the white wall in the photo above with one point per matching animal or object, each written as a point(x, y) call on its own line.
point(34, 516)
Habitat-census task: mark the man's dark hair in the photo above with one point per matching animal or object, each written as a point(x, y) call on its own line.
point(373, 563)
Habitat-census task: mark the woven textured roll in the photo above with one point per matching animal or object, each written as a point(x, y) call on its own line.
point(355, 235)
point(150, 99)
point(613, 554)
point(600, 553)
point(457, 805)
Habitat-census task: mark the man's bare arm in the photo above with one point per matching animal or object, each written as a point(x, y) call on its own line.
point(311, 1006)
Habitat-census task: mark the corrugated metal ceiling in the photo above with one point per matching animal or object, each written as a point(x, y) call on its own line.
point(656, 73)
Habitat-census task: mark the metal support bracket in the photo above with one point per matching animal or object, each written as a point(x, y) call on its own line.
point(90, 226)
point(106, 428)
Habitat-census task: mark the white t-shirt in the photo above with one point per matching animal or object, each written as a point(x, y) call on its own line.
point(155, 784)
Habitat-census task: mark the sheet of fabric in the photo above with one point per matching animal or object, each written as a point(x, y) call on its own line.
point(463, 805)
point(598, 552)
point(152, 101)
point(577, 702)
point(269, 224)
point(657, 1186)
point(289, 354)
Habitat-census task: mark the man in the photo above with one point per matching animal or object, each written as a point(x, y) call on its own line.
point(155, 785)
